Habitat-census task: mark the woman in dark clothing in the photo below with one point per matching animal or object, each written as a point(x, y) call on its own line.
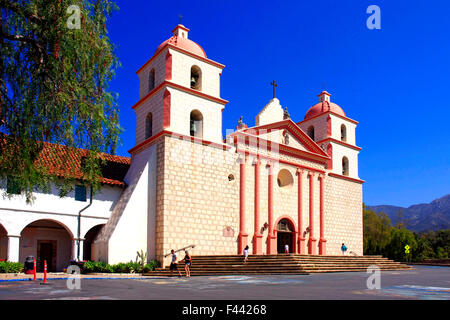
point(188, 263)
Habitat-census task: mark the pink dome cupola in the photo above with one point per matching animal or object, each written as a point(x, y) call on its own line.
point(323, 106)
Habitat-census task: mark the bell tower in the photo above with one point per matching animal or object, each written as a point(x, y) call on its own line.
point(180, 91)
point(327, 124)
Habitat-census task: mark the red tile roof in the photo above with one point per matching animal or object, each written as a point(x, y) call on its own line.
point(66, 162)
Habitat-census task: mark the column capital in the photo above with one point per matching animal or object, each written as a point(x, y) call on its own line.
point(242, 158)
point(311, 174)
point(256, 161)
point(321, 176)
point(299, 171)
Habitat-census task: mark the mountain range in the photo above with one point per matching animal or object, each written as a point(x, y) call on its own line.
point(420, 217)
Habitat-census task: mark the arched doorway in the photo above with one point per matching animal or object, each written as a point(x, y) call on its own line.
point(89, 239)
point(3, 244)
point(285, 236)
point(47, 240)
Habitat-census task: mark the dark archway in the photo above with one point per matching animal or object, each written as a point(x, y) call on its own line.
point(3, 244)
point(47, 240)
point(89, 240)
point(285, 236)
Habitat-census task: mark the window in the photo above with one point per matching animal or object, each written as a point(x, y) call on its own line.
point(80, 193)
point(285, 178)
point(345, 166)
point(196, 78)
point(310, 132)
point(196, 124)
point(149, 126)
point(343, 133)
point(151, 80)
point(13, 185)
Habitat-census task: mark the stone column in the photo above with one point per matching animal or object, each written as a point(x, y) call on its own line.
point(322, 241)
point(257, 238)
point(78, 244)
point(301, 249)
point(271, 249)
point(13, 248)
point(242, 235)
point(312, 240)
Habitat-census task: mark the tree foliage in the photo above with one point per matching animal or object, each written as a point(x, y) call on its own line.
point(381, 238)
point(54, 86)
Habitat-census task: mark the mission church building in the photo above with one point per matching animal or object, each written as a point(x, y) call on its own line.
point(276, 183)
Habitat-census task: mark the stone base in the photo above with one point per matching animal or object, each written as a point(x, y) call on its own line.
point(271, 245)
point(242, 242)
point(322, 247)
point(301, 246)
point(257, 244)
point(312, 247)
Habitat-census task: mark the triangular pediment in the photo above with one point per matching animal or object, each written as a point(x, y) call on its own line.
point(277, 132)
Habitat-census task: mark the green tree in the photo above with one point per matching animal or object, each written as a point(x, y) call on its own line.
point(54, 86)
point(377, 231)
point(399, 239)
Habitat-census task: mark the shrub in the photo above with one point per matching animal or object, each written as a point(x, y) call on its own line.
point(10, 267)
point(88, 266)
point(151, 266)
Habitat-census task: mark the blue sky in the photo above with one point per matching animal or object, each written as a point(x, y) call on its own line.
point(394, 81)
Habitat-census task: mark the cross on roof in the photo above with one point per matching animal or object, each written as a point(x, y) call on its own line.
point(181, 18)
point(273, 83)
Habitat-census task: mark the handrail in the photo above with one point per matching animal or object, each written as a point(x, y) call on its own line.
point(182, 249)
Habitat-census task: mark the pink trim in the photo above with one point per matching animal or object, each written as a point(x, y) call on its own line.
point(312, 240)
point(168, 66)
point(341, 143)
point(329, 112)
point(269, 158)
point(345, 177)
point(328, 127)
point(300, 238)
point(294, 234)
point(177, 86)
point(166, 109)
point(242, 234)
point(322, 241)
point(330, 154)
point(180, 27)
point(292, 128)
point(257, 238)
point(141, 146)
point(270, 237)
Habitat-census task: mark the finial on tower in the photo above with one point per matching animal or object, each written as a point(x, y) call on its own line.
point(324, 96)
point(180, 31)
point(286, 114)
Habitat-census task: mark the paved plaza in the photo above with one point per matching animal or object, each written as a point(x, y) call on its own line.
point(423, 282)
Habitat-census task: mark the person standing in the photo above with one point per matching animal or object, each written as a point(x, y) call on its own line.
point(188, 263)
point(286, 248)
point(173, 264)
point(246, 254)
point(343, 249)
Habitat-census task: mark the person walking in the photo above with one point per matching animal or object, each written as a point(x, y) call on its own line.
point(173, 264)
point(246, 254)
point(343, 249)
point(188, 263)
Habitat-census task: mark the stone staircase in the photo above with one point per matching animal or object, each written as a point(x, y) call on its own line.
point(280, 264)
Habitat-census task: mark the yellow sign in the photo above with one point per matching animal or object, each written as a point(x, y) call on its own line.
point(407, 247)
